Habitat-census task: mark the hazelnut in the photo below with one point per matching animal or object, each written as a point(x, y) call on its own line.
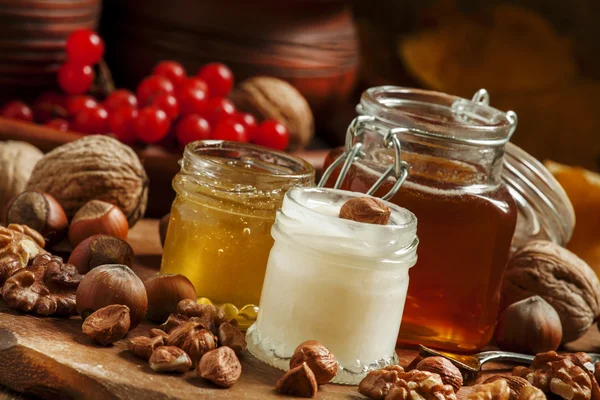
point(298, 381)
point(112, 284)
point(319, 359)
point(194, 339)
point(98, 217)
point(174, 321)
point(529, 326)
point(165, 292)
point(163, 226)
point(170, 359)
point(231, 336)
point(220, 366)
point(155, 332)
point(208, 314)
point(449, 373)
point(143, 346)
point(108, 324)
point(367, 210)
point(101, 250)
point(39, 211)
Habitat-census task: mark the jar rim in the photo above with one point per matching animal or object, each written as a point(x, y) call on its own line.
point(253, 160)
point(451, 117)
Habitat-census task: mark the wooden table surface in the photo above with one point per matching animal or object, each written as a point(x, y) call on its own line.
point(50, 357)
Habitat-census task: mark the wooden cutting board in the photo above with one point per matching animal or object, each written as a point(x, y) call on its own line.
point(51, 358)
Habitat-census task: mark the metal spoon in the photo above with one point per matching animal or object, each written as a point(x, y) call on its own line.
point(470, 365)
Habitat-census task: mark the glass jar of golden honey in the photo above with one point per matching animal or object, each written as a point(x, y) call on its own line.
point(449, 174)
point(219, 233)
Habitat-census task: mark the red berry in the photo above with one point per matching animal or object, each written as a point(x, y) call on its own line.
point(194, 83)
point(152, 86)
point(218, 77)
point(152, 124)
point(91, 120)
point(119, 98)
point(76, 104)
point(84, 47)
point(171, 70)
point(191, 101)
point(74, 78)
point(49, 105)
point(248, 121)
point(192, 128)
point(122, 124)
point(272, 134)
point(229, 130)
point(59, 124)
point(17, 110)
point(168, 103)
point(217, 109)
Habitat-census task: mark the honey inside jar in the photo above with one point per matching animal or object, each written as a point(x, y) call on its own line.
point(219, 234)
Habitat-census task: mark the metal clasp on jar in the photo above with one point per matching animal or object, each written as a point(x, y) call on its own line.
point(353, 152)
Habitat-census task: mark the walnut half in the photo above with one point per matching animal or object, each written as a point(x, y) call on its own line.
point(19, 244)
point(47, 287)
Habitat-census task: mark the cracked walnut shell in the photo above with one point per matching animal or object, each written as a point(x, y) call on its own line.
point(561, 278)
point(19, 245)
point(94, 167)
point(47, 287)
point(562, 375)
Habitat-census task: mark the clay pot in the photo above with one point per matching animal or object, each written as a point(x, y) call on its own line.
point(33, 35)
point(311, 44)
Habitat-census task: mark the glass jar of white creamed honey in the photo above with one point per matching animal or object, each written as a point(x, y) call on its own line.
point(219, 234)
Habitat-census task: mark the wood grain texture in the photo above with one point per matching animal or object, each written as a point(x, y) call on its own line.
point(51, 358)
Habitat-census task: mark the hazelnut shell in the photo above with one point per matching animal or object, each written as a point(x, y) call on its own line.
point(101, 250)
point(165, 292)
point(98, 217)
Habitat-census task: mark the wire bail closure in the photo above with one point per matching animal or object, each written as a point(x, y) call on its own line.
point(353, 152)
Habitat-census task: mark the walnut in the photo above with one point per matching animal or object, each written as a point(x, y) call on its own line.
point(417, 384)
point(299, 381)
point(366, 209)
point(272, 98)
point(194, 339)
point(377, 384)
point(19, 244)
point(515, 383)
point(47, 287)
point(495, 390)
point(143, 346)
point(94, 167)
point(108, 324)
point(449, 373)
point(559, 277)
point(558, 374)
point(531, 393)
point(17, 160)
point(220, 366)
point(231, 336)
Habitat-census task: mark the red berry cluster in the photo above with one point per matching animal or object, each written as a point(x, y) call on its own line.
point(168, 102)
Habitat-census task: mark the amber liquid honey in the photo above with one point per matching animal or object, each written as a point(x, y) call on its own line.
point(464, 240)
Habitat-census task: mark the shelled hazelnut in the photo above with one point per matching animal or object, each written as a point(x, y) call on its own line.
point(101, 250)
point(143, 347)
point(367, 210)
point(108, 324)
point(298, 381)
point(194, 339)
point(164, 294)
point(231, 336)
point(319, 359)
point(169, 359)
point(112, 284)
point(98, 217)
point(39, 211)
point(220, 366)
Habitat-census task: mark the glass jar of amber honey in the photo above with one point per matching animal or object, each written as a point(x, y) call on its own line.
point(450, 177)
point(219, 233)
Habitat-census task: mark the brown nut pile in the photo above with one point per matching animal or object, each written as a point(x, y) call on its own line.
point(564, 375)
point(312, 364)
point(47, 287)
point(561, 278)
point(198, 335)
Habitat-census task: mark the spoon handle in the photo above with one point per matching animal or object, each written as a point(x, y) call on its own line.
point(488, 356)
